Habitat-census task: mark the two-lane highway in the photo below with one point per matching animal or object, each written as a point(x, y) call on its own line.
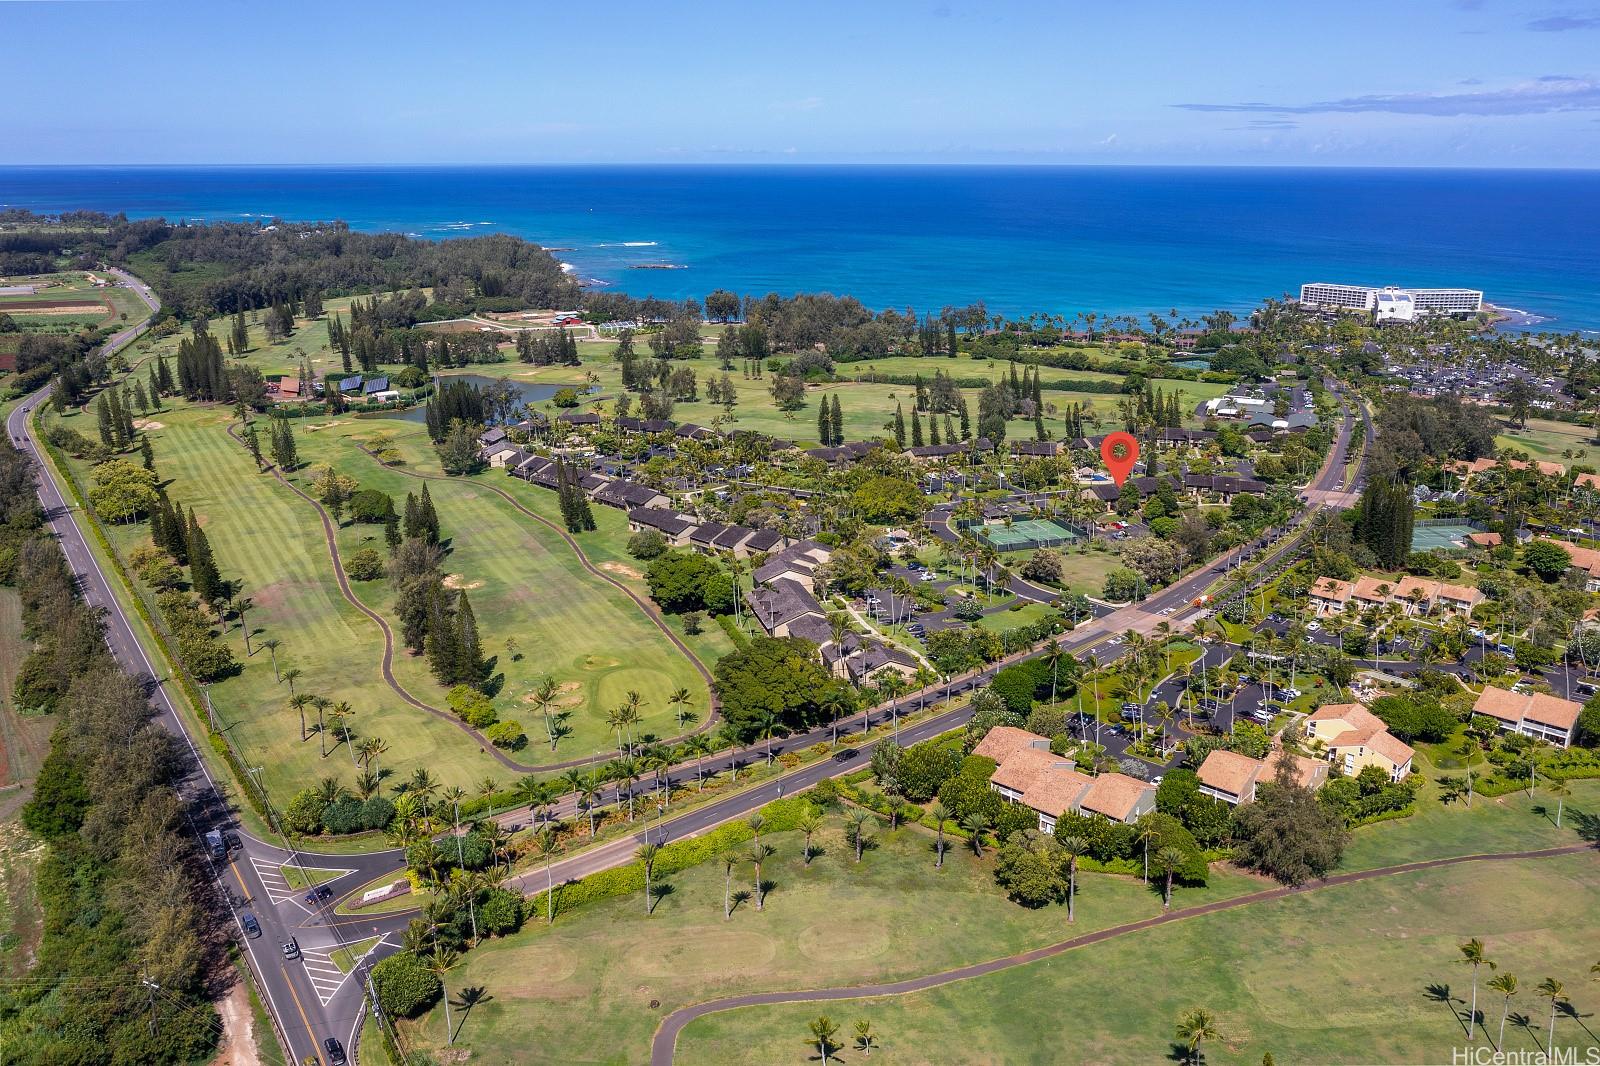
point(250, 879)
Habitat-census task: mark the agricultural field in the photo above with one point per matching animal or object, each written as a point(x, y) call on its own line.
point(525, 583)
point(891, 915)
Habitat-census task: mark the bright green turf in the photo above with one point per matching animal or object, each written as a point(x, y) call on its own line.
point(1339, 975)
point(891, 916)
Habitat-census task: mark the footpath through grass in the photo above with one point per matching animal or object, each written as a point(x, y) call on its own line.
point(892, 915)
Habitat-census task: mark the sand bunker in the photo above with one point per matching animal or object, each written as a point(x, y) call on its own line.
point(148, 423)
point(456, 581)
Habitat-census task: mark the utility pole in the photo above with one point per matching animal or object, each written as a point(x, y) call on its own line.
point(151, 987)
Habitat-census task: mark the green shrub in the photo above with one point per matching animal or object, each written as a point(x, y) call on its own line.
point(472, 706)
point(506, 734)
point(501, 913)
point(365, 565)
point(405, 986)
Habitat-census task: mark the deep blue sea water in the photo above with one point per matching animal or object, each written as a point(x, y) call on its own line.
point(1053, 239)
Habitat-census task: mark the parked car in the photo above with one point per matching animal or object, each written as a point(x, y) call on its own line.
point(1313, 626)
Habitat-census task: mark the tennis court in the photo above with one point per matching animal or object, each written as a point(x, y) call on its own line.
point(1451, 535)
point(1029, 533)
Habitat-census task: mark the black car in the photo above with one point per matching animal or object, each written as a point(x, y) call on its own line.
point(334, 1050)
point(845, 754)
point(317, 895)
point(252, 928)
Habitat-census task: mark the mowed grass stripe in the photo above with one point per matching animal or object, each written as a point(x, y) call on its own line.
point(263, 534)
point(526, 583)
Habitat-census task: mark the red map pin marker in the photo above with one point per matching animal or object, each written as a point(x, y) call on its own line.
point(1119, 451)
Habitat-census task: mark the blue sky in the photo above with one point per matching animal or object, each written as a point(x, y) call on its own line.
point(1241, 82)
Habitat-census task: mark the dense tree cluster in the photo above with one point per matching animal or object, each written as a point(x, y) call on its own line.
point(116, 884)
point(1384, 520)
point(223, 267)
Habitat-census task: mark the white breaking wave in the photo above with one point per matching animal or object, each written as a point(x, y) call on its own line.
point(628, 244)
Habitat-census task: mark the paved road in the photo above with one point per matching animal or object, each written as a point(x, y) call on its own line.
point(664, 1044)
point(307, 1006)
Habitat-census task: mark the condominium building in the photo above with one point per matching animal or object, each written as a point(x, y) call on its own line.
point(1389, 303)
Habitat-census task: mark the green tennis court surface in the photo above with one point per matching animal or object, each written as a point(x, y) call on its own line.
point(1426, 538)
point(1030, 532)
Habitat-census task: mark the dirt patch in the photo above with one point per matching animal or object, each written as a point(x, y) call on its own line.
point(148, 423)
point(622, 570)
point(599, 662)
point(238, 1029)
point(456, 581)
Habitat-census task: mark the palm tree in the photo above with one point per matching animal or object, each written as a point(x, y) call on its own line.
point(768, 724)
point(547, 845)
point(1506, 985)
point(440, 961)
point(374, 747)
point(697, 748)
point(976, 824)
point(756, 822)
point(424, 784)
point(1147, 831)
point(646, 854)
point(322, 703)
point(542, 697)
point(487, 787)
point(626, 772)
point(453, 796)
point(1168, 860)
point(341, 725)
point(292, 675)
point(272, 644)
point(858, 820)
point(1560, 790)
point(299, 703)
point(680, 700)
point(823, 1030)
point(1472, 954)
point(729, 861)
point(897, 805)
point(1073, 846)
point(1196, 1026)
point(1556, 993)
point(760, 853)
point(865, 1041)
point(940, 815)
point(809, 822)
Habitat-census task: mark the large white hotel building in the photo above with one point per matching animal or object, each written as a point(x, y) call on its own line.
point(1389, 304)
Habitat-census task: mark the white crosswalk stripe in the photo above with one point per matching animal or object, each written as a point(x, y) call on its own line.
point(325, 977)
point(277, 886)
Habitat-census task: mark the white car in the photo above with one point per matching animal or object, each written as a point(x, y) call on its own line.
point(1312, 627)
point(929, 575)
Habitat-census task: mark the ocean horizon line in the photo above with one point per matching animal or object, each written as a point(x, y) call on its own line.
point(799, 164)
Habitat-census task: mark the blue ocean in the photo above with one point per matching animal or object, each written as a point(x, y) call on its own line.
point(1057, 240)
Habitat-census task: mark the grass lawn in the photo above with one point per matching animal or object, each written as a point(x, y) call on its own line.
point(1547, 440)
point(346, 958)
point(1005, 621)
point(892, 915)
point(1351, 974)
point(529, 587)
